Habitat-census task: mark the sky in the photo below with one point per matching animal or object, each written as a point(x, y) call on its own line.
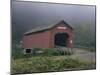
point(27, 15)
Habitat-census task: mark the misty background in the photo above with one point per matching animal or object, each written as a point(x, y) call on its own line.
point(27, 15)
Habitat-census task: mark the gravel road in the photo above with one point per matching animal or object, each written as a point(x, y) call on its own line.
point(80, 54)
point(83, 55)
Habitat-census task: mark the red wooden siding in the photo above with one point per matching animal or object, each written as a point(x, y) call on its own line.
point(46, 39)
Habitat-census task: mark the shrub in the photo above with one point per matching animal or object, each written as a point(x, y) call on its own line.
point(45, 52)
point(16, 52)
point(68, 51)
point(92, 49)
point(51, 52)
point(44, 64)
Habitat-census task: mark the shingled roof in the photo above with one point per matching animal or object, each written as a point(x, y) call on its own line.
point(46, 26)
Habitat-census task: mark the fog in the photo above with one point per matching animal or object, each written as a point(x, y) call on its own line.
point(27, 15)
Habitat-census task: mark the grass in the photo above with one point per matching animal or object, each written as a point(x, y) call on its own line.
point(49, 60)
point(46, 64)
point(91, 49)
point(18, 52)
point(46, 51)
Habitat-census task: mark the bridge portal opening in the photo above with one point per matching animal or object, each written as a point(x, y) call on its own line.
point(61, 39)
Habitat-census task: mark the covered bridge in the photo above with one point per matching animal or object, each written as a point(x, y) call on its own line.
point(49, 36)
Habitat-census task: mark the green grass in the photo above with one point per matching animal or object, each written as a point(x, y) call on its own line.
point(18, 52)
point(46, 64)
point(92, 49)
point(48, 61)
point(47, 51)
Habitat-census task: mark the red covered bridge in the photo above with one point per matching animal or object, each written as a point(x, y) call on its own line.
point(49, 36)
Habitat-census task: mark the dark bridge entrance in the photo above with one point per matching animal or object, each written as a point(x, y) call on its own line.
point(61, 39)
point(49, 36)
